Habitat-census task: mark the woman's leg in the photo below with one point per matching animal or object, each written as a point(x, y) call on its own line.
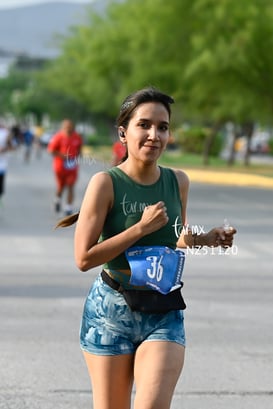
point(2, 183)
point(111, 380)
point(158, 365)
point(70, 194)
point(59, 191)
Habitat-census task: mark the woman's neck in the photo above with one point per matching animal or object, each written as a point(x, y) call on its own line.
point(144, 174)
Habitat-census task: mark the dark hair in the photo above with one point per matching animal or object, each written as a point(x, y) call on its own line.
point(131, 102)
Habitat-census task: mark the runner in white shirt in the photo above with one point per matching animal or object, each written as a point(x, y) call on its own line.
point(5, 146)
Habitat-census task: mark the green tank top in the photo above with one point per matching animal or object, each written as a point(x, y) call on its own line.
point(130, 199)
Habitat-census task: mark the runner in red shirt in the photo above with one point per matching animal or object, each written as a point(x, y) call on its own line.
point(65, 146)
point(118, 153)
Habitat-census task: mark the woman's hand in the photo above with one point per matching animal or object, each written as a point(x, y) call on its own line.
point(154, 217)
point(218, 236)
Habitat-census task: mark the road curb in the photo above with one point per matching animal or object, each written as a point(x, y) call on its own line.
point(229, 178)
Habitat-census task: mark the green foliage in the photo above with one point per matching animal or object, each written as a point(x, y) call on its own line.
point(231, 65)
point(223, 72)
point(24, 92)
point(119, 52)
point(192, 160)
point(192, 140)
point(98, 139)
point(213, 57)
point(12, 88)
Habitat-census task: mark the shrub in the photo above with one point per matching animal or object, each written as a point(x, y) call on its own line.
point(192, 140)
point(98, 140)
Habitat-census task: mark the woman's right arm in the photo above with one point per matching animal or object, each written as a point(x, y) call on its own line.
point(96, 204)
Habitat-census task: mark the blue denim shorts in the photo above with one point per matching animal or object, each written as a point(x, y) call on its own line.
point(109, 327)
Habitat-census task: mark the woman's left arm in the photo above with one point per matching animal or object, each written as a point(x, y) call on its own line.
point(217, 236)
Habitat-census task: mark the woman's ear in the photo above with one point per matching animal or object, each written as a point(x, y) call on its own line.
point(121, 132)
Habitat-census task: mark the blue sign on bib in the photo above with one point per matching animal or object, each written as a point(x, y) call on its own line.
point(70, 163)
point(158, 267)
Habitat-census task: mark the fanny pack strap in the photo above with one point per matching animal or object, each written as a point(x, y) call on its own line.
point(111, 282)
point(151, 301)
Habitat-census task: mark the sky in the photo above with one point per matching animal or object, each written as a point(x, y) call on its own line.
point(4, 4)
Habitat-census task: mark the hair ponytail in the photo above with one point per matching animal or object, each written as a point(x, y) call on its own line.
point(68, 220)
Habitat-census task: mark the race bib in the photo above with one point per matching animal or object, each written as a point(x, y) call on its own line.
point(158, 267)
point(70, 163)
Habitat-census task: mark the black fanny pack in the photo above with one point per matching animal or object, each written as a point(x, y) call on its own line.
point(150, 301)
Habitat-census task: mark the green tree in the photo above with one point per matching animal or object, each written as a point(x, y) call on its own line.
point(133, 45)
point(207, 54)
point(231, 69)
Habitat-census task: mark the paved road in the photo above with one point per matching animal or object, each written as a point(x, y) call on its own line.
point(229, 361)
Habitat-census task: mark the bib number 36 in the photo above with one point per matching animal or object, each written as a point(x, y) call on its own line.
point(156, 270)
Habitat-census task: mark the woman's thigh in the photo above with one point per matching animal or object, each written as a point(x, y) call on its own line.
point(158, 365)
point(111, 379)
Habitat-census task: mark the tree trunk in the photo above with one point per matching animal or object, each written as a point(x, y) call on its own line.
point(249, 129)
point(235, 136)
point(209, 141)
